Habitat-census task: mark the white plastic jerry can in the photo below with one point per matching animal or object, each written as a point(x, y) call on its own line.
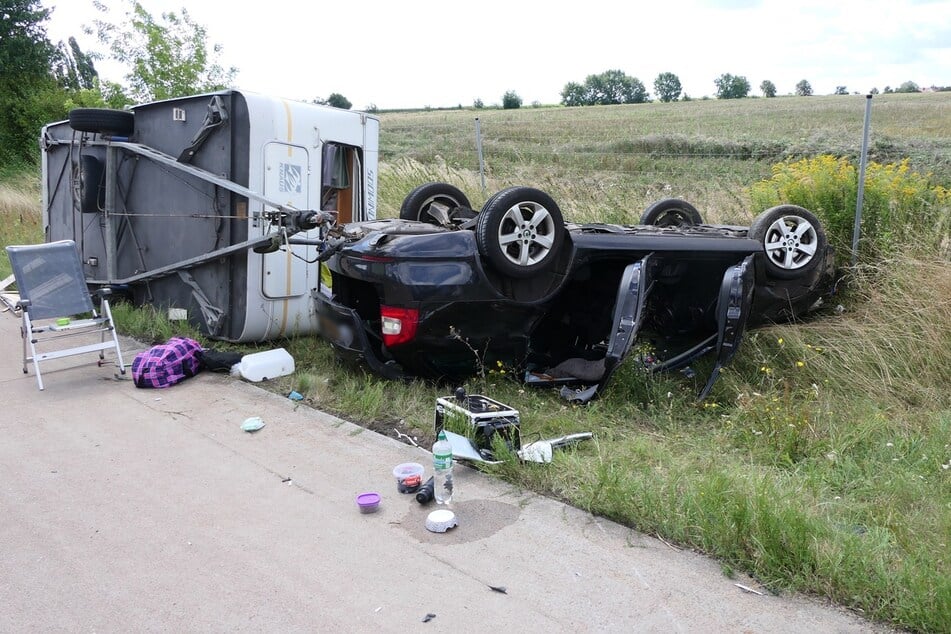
point(269, 364)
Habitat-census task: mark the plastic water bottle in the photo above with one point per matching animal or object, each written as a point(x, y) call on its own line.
point(442, 469)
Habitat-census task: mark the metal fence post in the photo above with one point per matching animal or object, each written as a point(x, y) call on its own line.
point(478, 133)
point(863, 160)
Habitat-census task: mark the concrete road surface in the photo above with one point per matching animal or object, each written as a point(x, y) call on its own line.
point(132, 510)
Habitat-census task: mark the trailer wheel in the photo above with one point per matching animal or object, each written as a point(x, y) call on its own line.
point(417, 204)
point(102, 120)
point(520, 231)
point(793, 240)
point(671, 212)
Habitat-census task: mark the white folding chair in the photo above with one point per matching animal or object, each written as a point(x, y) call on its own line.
point(55, 304)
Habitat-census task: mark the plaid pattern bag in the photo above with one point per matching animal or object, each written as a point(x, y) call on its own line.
point(166, 364)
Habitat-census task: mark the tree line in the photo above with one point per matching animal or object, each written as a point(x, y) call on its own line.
point(169, 56)
point(616, 87)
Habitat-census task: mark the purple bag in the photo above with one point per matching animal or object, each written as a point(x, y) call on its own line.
point(166, 364)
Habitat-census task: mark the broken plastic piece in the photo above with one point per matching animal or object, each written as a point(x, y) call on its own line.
point(462, 448)
point(295, 396)
point(252, 424)
point(500, 589)
point(542, 450)
point(579, 395)
point(429, 617)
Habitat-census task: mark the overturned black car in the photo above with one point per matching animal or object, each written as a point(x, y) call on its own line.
point(444, 291)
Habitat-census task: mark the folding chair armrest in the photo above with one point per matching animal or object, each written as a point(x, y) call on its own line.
point(23, 304)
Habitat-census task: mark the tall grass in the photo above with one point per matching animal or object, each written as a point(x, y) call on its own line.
point(821, 462)
point(19, 212)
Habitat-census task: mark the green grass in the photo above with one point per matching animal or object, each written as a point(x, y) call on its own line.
point(821, 463)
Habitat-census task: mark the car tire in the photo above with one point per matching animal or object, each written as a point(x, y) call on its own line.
point(793, 241)
point(520, 231)
point(102, 120)
point(671, 212)
point(417, 203)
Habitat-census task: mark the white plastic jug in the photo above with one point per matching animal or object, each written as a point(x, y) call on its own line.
point(269, 364)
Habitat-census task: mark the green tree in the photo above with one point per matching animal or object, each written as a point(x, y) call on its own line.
point(804, 88)
point(908, 86)
point(338, 101)
point(667, 87)
point(511, 101)
point(732, 86)
point(768, 88)
point(615, 87)
point(478, 104)
point(841, 90)
point(74, 69)
point(607, 88)
point(29, 94)
point(166, 57)
point(574, 94)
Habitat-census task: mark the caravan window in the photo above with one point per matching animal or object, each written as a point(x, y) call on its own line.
point(340, 180)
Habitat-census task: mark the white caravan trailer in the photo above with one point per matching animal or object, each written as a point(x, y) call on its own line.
point(210, 206)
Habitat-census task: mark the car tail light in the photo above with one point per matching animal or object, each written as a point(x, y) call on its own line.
point(399, 324)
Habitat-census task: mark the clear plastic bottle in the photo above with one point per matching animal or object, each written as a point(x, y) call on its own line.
point(442, 469)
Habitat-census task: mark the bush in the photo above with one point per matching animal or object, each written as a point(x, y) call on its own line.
point(901, 208)
point(511, 101)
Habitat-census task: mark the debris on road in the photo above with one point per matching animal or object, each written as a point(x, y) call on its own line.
point(252, 424)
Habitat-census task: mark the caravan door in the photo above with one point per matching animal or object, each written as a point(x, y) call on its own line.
point(286, 181)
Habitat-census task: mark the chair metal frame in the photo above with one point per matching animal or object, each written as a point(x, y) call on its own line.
point(53, 293)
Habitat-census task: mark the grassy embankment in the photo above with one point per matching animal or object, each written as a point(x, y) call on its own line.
point(822, 461)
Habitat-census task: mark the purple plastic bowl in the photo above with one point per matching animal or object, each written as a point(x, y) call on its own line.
point(368, 502)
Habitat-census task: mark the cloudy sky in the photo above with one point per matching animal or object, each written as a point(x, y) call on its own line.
point(420, 53)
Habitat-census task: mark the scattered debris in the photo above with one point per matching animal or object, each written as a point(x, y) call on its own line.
point(409, 476)
point(441, 521)
point(252, 424)
point(270, 364)
point(668, 544)
point(488, 420)
point(464, 449)
point(429, 617)
point(167, 364)
point(400, 436)
point(295, 396)
point(501, 589)
point(748, 589)
point(368, 502)
point(427, 491)
point(542, 450)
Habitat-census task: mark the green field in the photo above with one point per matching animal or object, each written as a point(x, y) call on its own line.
point(821, 463)
point(607, 163)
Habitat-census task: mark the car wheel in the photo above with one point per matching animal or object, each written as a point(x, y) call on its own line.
point(793, 240)
point(102, 120)
point(520, 231)
point(671, 212)
point(417, 203)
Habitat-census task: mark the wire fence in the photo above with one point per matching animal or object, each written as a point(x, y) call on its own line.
point(609, 163)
